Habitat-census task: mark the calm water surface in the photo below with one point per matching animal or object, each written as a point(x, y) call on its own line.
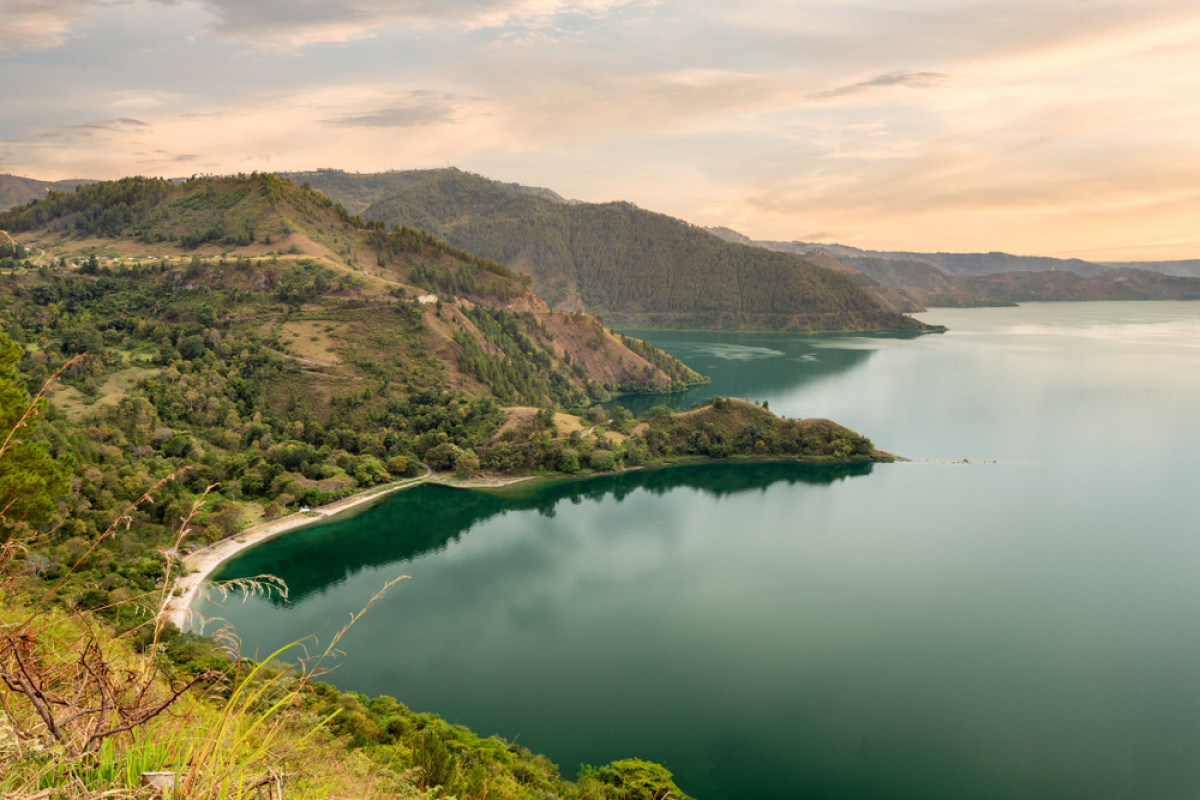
point(1026, 624)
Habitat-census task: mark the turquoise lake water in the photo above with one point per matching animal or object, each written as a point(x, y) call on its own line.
point(1013, 614)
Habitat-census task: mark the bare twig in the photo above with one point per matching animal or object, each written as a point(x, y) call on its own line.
point(125, 516)
point(33, 410)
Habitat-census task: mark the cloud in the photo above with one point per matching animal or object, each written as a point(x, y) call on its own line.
point(419, 108)
point(915, 80)
point(906, 123)
point(112, 124)
point(288, 23)
point(37, 24)
point(585, 107)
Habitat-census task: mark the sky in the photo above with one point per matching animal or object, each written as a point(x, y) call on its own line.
point(1047, 127)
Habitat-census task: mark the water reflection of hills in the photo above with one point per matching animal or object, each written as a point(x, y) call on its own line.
point(425, 519)
point(753, 366)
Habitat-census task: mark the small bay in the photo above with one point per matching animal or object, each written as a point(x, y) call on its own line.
point(1012, 614)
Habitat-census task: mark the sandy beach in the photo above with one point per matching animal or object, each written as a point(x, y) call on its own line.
point(201, 564)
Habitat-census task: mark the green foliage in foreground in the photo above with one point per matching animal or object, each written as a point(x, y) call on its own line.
point(238, 726)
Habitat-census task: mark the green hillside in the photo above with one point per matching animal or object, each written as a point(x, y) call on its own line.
point(357, 191)
point(208, 355)
point(208, 243)
point(635, 267)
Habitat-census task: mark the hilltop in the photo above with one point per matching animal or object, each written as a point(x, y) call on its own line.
point(359, 191)
point(15, 190)
point(637, 268)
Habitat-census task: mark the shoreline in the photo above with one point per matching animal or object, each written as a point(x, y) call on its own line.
point(202, 563)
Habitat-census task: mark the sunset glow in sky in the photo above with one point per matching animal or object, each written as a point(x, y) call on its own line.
point(1060, 127)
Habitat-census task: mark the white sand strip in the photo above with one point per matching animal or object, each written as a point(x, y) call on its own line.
point(200, 564)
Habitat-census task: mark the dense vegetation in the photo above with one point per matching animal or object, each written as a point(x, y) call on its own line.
point(279, 408)
point(281, 381)
point(358, 191)
point(636, 267)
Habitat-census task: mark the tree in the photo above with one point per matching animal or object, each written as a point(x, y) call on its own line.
point(622, 420)
point(443, 456)
point(191, 347)
point(31, 479)
point(466, 463)
point(636, 779)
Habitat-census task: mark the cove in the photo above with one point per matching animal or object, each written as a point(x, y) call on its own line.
point(1019, 625)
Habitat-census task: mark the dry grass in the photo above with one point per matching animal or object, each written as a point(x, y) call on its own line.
point(312, 340)
point(606, 359)
point(566, 424)
point(520, 419)
point(75, 405)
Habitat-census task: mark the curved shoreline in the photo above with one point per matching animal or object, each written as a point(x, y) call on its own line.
point(202, 563)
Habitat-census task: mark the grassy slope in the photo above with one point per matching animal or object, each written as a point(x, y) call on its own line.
point(241, 729)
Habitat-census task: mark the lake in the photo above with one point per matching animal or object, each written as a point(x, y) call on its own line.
point(1012, 614)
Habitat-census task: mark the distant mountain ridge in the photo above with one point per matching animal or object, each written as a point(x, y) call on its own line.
point(636, 267)
point(1184, 268)
point(15, 189)
point(977, 279)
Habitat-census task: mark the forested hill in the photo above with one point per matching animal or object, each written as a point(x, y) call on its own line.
point(636, 267)
point(357, 191)
point(336, 298)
